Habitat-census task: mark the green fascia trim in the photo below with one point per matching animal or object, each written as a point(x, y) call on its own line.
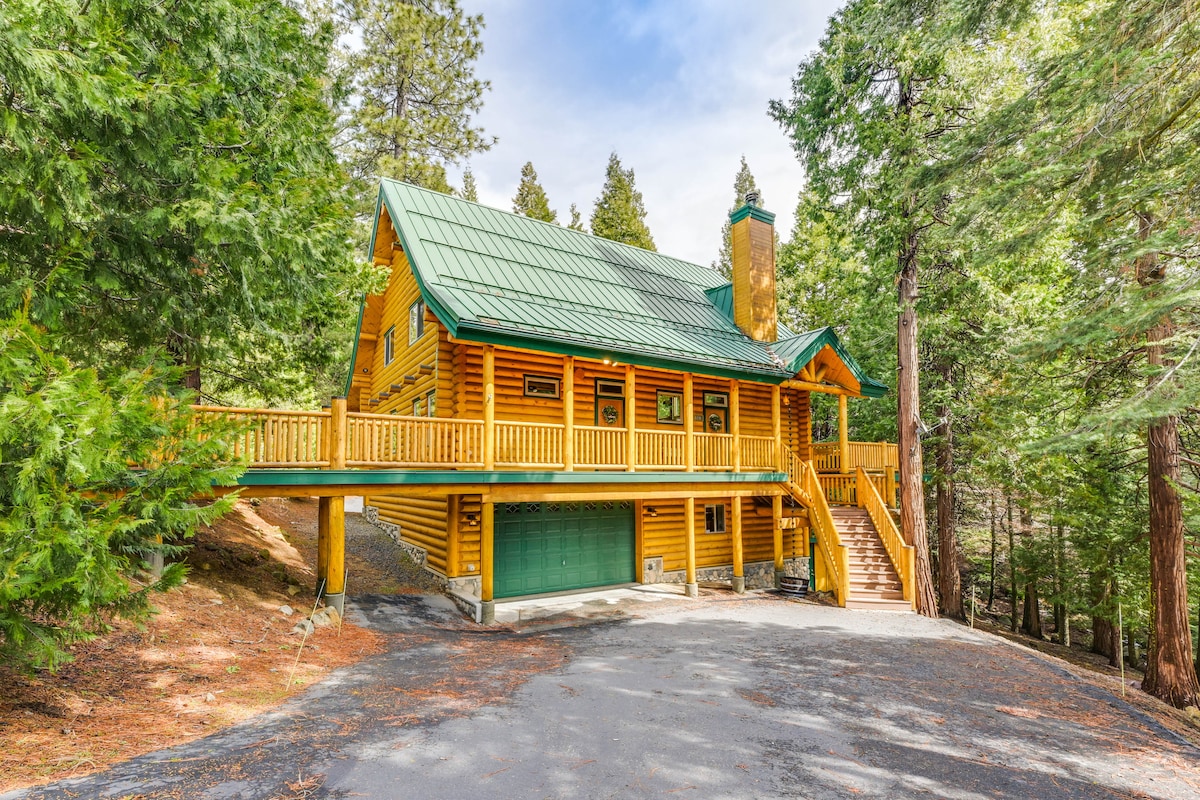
point(417, 477)
point(486, 334)
point(416, 256)
point(750, 211)
point(826, 336)
point(362, 312)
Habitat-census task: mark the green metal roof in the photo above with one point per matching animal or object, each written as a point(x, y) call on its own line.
point(798, 350)
point(501, 278)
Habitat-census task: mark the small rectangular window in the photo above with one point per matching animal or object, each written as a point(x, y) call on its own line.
point(670, 407)
point(416, 321)
point(714, 519)
point(538, 386)
point(389, 345)
point(714, 399)
point(431, 403)
point(416, 410)
point(610, 388)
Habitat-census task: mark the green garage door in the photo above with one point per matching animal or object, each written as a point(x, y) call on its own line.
point(552, 547)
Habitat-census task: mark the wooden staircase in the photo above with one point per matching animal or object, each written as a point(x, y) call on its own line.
point(874, 583)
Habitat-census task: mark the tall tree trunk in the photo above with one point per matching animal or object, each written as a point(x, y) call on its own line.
point(1062, 616)
point(912, 491)
point(1106, 638)
point(1031, 616)
point(186, 361)
point(1170, 670)
point(1013, 598)
point(992, 566)
point(949, 556)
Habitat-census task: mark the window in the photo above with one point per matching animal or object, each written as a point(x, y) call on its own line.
point(670, 407)
point(715, 399)
point(610, 388)
point(416, 321)
point(714, 519)
point(416, 411)
point(389, 345)
point(538, 386)
point(431, 402)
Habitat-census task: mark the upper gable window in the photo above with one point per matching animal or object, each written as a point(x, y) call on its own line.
point(416, 321)
point(670, 407)
point(540, 386)
point(389, 345)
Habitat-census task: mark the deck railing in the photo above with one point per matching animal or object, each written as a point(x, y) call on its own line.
point(871, 456)
point(804, 483)
point(304, 439)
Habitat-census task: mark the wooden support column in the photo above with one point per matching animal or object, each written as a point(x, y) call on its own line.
point(777, 427)
point(689, 425)
point(568, 398)
point(844, 434)
point(777, 536)
point(630, 419)
point(487, 610)
point(489, 407)
point(689, 524)
point(331, 517)
point(453, 535)
point(739, 573)
point(735, 425)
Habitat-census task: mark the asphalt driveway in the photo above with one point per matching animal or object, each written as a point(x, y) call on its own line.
point(724, 697)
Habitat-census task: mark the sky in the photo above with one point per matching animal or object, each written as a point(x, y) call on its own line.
point(677, 88)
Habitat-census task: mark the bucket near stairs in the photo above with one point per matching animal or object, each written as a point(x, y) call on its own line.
point(795, 587)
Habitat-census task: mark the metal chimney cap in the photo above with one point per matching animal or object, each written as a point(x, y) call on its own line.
point(752, 199)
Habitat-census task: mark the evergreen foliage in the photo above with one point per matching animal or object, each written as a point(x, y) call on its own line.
point(415, 92)
point(168, 182)
point(576, 223)
point(78, 524)
point(470, 191)
point(531, 197)
point(620, 214)
point(743, 183)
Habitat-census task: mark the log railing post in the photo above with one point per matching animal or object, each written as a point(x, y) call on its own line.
point(337, 433)
point(777, 430)
point(689, 426)
point(844, 434)
point(735, 426)
point(487, 610)
point(489, 407)
point(568, 399)
point(630, 419)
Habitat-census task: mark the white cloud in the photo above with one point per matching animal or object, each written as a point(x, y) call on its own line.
point(679, 89)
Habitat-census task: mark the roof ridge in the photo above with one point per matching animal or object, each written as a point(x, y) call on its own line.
point(552, 225)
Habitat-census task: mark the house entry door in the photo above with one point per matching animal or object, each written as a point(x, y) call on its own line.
point(716, 412)
point(610, 404)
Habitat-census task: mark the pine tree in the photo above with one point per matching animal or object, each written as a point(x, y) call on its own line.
point(470, 191)
point(576, 223)
point(620, 214)
point(531, 197)
point(743, 183)
point(416, 90)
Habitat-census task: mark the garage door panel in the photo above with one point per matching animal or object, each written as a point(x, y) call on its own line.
point(547, 547)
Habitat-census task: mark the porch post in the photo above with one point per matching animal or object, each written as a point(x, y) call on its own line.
point(323, 506)
point(689, 524)
point(689, 441)
point(568, 399)
point(630, 419)
point(735, 425)
point(777, 536)
point(487, 609)
point(489, 407)
point(777, 427)
point(335, 584)
point(739, 573)
point(844, 433)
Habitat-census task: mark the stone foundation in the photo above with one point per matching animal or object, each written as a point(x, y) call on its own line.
point(758, 574)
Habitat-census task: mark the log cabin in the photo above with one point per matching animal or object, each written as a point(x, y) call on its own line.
point(567, 412)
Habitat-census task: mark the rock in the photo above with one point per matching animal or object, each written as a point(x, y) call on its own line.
point(1193, 714)
point(218, 602)
point(304, 626)
point(293, 590)
point(210, 698)
point(205, 566)
point(264, 554)
point(334, 617)
point(286, 610)
point(321, 618)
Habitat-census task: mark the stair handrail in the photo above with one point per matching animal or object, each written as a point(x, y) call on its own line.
point(806, 487)
point(903, 556)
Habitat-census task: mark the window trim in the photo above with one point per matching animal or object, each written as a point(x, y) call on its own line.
point(610, 384)
point(658, 396)
point(549, 379)
point(416, 320)
point(389, 345)
point(431, 403)
point(715, 508)
point(416, 406)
